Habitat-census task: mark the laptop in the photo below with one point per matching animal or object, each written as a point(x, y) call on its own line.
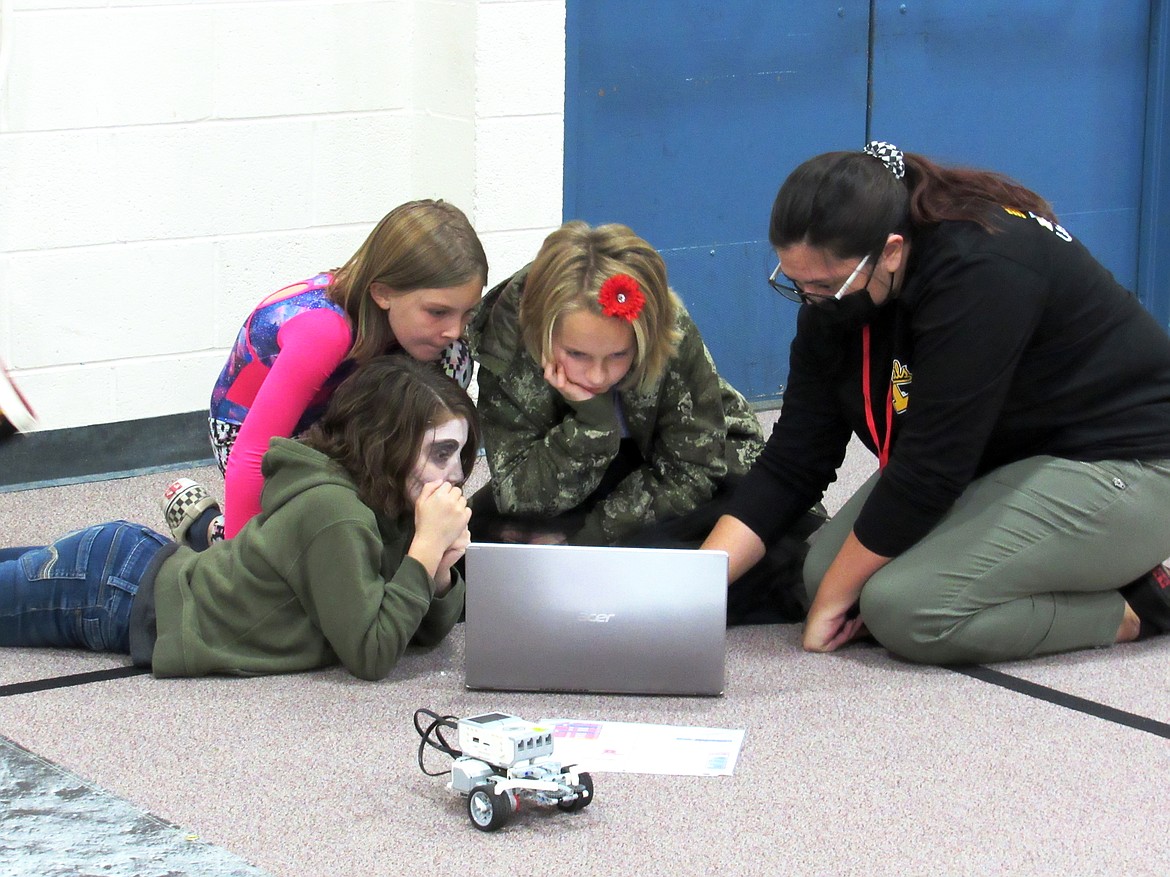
point(574, 618)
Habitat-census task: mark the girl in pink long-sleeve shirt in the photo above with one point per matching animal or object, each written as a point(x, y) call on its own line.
point(410, 287)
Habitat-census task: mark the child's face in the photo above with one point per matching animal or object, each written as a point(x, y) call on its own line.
point(439, 457)
point(426, 321)
point(594, 351)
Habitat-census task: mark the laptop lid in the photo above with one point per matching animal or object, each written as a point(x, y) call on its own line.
point(595, 619)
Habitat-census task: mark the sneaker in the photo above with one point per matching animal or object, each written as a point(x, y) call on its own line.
point(183, 502)
point(15, 413)
point(1149, 597)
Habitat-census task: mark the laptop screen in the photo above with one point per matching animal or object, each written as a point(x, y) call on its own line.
point(595, 619)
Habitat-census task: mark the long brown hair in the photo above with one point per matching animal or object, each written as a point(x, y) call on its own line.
point(849, 202)
point(418, 245)
point(377, 420)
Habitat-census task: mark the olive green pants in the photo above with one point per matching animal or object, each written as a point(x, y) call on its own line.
point(1027, 562)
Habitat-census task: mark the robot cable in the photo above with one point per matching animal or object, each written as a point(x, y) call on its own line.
point(432, 736)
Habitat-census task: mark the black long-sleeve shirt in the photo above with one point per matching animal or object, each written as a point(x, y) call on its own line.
point(1004, 346)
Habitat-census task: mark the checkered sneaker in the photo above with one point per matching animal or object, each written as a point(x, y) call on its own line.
point(183, 502)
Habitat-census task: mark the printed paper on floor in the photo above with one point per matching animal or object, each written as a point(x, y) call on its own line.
point(629, 747)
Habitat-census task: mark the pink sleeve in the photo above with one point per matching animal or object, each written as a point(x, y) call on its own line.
point(312, 345)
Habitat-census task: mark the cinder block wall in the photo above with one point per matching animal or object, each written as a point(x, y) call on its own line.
point(164, 165)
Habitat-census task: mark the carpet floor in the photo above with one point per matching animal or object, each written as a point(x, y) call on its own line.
point(853, 764)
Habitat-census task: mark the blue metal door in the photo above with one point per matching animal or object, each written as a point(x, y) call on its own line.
point(683, 117)
point(1053, 94)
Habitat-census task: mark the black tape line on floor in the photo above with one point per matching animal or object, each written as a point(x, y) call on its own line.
point(72, 679)
point(1069, 701)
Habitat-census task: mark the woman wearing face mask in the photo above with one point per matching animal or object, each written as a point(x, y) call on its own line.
point(1017, 399)
point(349, 559)
point(605, 421)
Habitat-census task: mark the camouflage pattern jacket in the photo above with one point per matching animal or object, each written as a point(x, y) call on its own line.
point(547, 454)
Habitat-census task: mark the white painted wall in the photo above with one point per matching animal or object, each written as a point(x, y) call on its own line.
point(164, 165)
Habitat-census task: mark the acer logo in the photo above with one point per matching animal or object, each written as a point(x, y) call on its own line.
point(596, 617)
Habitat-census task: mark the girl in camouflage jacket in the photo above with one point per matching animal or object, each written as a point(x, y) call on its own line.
point(602, 409)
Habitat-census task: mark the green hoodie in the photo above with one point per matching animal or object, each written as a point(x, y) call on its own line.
point(315, 579)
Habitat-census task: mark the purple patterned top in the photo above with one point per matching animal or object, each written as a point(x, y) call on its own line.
point(257, 347)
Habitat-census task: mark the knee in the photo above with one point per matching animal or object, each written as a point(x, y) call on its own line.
point(902, 621)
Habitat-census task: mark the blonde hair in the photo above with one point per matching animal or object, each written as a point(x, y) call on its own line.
point(417, 245)
point(566, 276)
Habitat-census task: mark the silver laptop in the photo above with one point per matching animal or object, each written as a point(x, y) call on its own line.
point(595, 619)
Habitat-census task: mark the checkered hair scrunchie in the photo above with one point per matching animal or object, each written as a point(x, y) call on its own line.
point(889, 155)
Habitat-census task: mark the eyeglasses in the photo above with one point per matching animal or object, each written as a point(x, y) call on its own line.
point(789, 288)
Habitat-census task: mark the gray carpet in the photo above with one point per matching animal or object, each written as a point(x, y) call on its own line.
point(55, 824)
point(853, 763)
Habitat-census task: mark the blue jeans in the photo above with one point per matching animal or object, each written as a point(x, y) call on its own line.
point(77, 592)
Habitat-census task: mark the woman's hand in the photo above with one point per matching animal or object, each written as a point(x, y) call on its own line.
point(555, 375)
point(829, 625)
point(440, 524)
point(827, 630)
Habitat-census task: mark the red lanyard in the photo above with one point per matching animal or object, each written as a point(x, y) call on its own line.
point(883, 446)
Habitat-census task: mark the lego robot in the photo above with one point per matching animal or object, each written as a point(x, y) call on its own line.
point(504, 760)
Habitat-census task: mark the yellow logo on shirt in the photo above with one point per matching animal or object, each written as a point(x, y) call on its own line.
point(900, 379)
point(1045, 223)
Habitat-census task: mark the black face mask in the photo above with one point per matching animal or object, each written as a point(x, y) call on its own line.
point(850, 311)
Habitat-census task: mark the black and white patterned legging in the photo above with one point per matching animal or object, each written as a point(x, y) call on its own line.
point(223, 437)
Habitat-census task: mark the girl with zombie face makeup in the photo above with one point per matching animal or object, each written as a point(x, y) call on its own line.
point(349, 560)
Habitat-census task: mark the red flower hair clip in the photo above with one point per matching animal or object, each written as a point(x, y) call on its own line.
point(620, 296)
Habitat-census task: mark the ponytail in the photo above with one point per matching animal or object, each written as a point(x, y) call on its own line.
point(848, 203)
